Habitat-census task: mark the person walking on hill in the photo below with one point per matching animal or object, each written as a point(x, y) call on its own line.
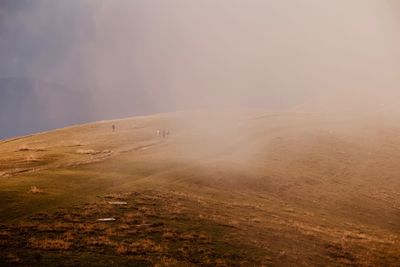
point(113, 127)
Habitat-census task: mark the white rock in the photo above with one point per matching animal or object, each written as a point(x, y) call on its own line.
point(106, 219)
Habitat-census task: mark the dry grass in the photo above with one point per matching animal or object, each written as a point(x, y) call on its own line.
point(35, 190)
point(92, 151)
point(4, 242)
point(88, 151)
point(49, 244)
point(324, 199)
point(99, 241)
point(169, 235)
point(69, 236)
point(25, 148)
point(13, 258)
point(138, 247)
point(166, 262)
point(76, 143)
point(4, 234)
point(32, 158)
point(168, 240)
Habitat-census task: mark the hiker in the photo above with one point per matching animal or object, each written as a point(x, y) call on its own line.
point(158, 132)
point(113, 127)
point(167, 133)
point(163, 133)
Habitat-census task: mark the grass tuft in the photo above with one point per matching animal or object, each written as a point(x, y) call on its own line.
point(35, 190)
point(49, 244)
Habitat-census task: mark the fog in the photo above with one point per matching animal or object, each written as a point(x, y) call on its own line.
point(145, 57)
point(272, 54)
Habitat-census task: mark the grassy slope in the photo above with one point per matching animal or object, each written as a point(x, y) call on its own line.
point(290, 189)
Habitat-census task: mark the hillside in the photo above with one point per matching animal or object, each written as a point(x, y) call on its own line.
point(245, 188)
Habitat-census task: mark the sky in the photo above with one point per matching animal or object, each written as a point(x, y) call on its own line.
point(147, 56)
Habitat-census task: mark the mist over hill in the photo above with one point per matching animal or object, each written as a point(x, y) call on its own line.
point(28, 105)
point(129, 58)
point(222, 133)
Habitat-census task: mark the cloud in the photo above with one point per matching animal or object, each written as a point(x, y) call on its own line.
point(40, 38)
point(185, 54)
point(139, 57)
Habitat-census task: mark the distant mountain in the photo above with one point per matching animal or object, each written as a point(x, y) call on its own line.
point(29, 105)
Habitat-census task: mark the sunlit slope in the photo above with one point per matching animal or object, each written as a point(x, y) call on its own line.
point(299, 187)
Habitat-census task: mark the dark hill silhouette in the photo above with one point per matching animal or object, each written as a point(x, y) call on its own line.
point(28, 105)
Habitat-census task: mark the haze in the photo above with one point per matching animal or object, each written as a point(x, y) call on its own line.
point(202, 133)
point(143, 57)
